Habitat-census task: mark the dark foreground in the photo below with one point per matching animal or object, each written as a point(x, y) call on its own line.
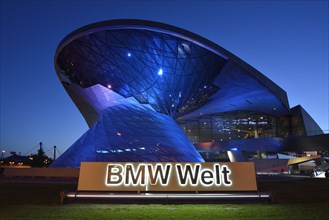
point(296, 198)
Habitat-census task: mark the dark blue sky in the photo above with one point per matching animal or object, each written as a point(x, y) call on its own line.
point(285, 40)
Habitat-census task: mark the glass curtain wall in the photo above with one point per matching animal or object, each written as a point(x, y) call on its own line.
point(234, 126)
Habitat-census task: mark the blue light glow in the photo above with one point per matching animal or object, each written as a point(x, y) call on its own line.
point(141, 144)
point(102, 151)
point(160, 72)
point(129, 54)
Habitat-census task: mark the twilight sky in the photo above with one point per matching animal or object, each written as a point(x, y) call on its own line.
point(287, 41)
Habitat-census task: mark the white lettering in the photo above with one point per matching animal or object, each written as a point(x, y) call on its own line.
point(153, 174)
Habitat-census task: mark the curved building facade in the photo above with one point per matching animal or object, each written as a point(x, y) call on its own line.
point(153, 92)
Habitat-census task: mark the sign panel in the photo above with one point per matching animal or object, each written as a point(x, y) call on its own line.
point(105, 176)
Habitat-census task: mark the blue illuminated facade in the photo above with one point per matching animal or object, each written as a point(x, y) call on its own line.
point(149, 91)
point(129, 131)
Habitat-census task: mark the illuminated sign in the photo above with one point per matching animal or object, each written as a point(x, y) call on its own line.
point(102, 176)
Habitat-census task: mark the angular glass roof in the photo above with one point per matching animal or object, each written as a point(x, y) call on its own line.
point(173, 75)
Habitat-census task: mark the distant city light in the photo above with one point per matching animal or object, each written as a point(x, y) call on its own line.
point(160, 72)
point(234, 148)
point(109, 86)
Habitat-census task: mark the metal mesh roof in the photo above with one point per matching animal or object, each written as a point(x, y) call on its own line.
point(164, 71)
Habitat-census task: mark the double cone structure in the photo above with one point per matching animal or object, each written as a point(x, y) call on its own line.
point(139, 84)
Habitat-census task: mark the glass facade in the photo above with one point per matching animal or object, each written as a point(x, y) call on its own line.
point(297, 126)
point(302, 124)
point(234, 126)
point(131, 132)
point(174, 76)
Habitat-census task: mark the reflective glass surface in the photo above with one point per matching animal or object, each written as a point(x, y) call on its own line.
point(234, 126)
point(131, 132)
point(171, 74)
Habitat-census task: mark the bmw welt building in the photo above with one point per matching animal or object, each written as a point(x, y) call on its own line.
point(152, 92)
